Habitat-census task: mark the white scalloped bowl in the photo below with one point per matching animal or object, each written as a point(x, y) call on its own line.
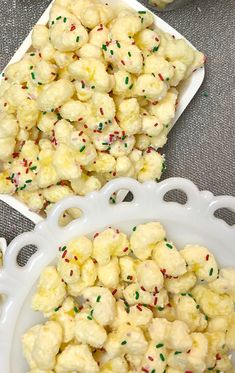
point(193, 222)
point(187, 90)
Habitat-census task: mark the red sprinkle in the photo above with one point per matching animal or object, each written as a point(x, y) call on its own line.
point(142, 288)
point(97, 234)
point(163, 271)
point(75, 257)
point(5, 104)
point(79, 119)
point(14, 155)
point(100, 28)
point(139, 307)
point(155, 301)
point(80, 133)
point(71, 272)
point(144, 370)
point(67, 260)
point(161, 77)
point(101, 111)
point(218, 357)
point(27, 171)
point(207, 257)
point(125, 250)
point(85, 126)
point(123, 62)
point(73, 27)
point(64, 254)
point(114, 291)
point(150, 358)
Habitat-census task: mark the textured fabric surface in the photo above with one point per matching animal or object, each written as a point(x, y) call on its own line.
point(201, 146)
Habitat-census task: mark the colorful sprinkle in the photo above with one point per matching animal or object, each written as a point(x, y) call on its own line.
point(118, 44)
point(211, 270)
point(82, 148)
point(134, 229)
point(178, 352)
point(77, 39)
point(207, 257)
point(104, 47)
point(155, 49)
point(98, 298)
point(161, 77)
point(75, 309)
point(127, 80)
point(159, 345)
point(169, 245)
point(205, 94)
point(137, 295)
point(129, 54)
point(33, 76)
point(162, 357)
point(123, 343)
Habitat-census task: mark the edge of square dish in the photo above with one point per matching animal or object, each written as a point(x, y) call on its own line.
point(188, 89)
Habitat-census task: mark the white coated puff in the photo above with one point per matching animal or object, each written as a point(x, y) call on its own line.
point(68, 36)
point(201, 261)
point(85, 184)
point(128, 115)
point(50, 291)
point(169, 259)
point(76, 358)
point(55, 94)
point(152, 166)
point(40, 36)
point(92, 72)
point(47, 344)
point(144, 237)
point(110, 242)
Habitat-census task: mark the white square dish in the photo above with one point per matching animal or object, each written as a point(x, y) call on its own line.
point(193, 223)
point(187, 91)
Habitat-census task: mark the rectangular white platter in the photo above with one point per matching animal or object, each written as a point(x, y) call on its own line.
point(188, 89)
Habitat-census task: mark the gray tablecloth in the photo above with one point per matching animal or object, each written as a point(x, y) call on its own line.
point(201, 146)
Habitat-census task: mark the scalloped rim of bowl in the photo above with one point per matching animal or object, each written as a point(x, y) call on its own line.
point(193, 223)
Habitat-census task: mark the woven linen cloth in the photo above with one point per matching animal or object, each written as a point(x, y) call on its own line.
point(201, 146)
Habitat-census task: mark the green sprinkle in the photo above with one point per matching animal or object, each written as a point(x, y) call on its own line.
point(197, 306)
point(32, 54)
point(111, 52)
point(205, 94)
point(65, 19)
point(167, 79)
point(118, 44)
point(183, 294)
point(142, 20)
point(154, 75)
point(211, 368)
point(31, 67)
point(206, 317)
point(75, 309)
point(33, 76)
point(29, 181)
point(211, 272)
point(160, 345)
point(39, 83)
point(33, 168)
point(127, 307)
point(82, 148)
point(57, 308)
point(155, 49)
point(37, 158)
point(178, 352)
point(127, 80)
point(59, 116)
point(131, 86)
point(98, 298)
point(89, 317)
point(123, 343)
point(134, 229)
point(142, 12)
point(123, 137)
point(137, 295)
point(125, 145)
point(129, 54)
point(77, 39)
point(162, 357)
point(104, 47)
point(190, 295)
point(160, 308)
point(52, 22)
point(58, 18)
point(92, 87)
point(63, 248)
point(153, 371)
point(44, 113)
point(169, 245)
